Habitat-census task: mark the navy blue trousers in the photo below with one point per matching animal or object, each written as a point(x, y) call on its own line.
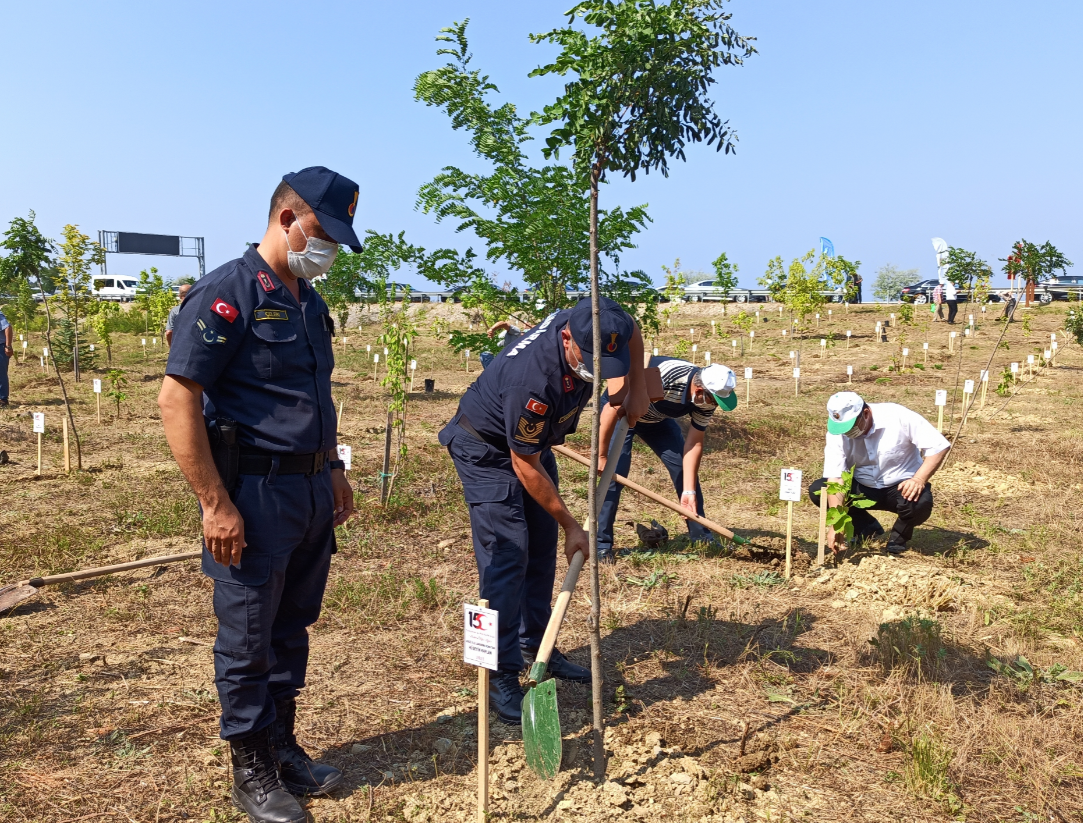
point(3, 370)
point(667, 441)
point(515, 541)
point(265, 606)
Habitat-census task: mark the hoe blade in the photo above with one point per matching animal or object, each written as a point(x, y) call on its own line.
point(12, 596)
point(541, 729)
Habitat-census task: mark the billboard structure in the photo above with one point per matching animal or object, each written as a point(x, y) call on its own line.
point(168, 245)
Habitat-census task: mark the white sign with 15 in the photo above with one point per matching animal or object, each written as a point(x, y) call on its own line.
point(789, 487)
point(480, 636)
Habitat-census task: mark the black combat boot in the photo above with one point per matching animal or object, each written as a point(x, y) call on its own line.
point(300, 773)
point(559, 666)
point(506, 697)
point(257, 788)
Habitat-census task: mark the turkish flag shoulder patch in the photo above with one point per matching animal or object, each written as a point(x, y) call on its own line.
point(223, 309)
point(536, 406)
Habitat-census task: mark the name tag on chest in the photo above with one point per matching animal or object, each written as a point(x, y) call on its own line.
point(270, 314)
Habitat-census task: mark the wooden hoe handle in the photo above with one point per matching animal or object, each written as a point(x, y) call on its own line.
point(657, 498)
point(38, 582)
point(549, 639)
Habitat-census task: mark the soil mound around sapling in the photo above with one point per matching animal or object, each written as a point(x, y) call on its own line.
point(900, 587)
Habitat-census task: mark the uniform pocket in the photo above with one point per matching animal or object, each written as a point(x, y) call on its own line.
point(486, 492)
point(277, 341)
point(468, 449)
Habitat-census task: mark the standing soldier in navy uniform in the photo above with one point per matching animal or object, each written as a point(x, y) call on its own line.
point(246, 405)
point(690, 391)
point(526, 401)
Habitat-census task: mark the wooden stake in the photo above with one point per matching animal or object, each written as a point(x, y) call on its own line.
point(789, 536)
point(748, 384)
point(67, 452)
point(384, 476)
point(39, 454)
point(483, 738)
point(940, 419)
point(98, 396)
point(341, 405)
point(823, 526)
point(925, 361)
point(984, 387)
point(796, 381)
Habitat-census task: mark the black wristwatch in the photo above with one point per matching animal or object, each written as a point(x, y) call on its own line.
point(337, 464)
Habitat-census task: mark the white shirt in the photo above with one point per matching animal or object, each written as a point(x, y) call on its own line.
point(949, 290)
point(891, 452)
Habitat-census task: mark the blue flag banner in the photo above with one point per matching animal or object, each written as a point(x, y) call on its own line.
point(827, 248)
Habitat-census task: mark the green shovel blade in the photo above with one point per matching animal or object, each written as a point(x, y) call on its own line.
point(541, 729)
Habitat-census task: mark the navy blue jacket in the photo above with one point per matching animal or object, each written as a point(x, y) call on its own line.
point(261, 358)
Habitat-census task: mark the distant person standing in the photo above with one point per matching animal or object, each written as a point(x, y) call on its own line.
point(171, 320)
point(5, 355)
point(938, 301)
point(951, 297)
point(858, 280)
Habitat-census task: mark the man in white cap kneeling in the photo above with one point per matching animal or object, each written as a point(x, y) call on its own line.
point(688, 390)
point(893, 452)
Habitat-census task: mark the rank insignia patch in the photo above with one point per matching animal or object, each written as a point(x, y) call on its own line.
point(569, 384)
point(529, 432)
point(223, 309)
point(536, 406)
point(209, 335)
point(270, 314)
point(265, 281)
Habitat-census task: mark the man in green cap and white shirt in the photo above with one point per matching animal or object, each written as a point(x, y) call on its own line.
point(893, 452)
point(689, 391)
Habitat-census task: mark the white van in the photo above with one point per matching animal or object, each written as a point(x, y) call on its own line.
point(113, 287)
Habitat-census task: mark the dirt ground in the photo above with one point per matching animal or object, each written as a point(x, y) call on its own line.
point(732, 694)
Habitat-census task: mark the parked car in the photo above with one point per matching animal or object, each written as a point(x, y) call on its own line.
point(111, 287)
point(1073, 282)
point(919, 292)
point(704, 290)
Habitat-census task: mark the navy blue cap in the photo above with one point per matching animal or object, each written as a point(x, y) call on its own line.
point(333, 198)
point(617, 328)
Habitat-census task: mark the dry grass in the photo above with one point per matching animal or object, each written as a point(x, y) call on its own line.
point(107, 704)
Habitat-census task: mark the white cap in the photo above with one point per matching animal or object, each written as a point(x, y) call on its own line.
point(720, 381)
point(842, 410)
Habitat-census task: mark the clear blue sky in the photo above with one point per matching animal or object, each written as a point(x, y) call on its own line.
point(878, 125)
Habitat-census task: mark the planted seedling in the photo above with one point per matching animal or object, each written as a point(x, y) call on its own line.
point(838, 517)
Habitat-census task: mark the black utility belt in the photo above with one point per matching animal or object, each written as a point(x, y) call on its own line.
point(250, 462)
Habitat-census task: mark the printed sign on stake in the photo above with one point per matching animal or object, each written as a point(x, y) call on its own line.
point(480, 636)
point(968, 387)
point(1015, 368)
point(941, 397)
point(789, 487)
point(39, 422)
point(345, 454)
point(748, 372)
point(97, 386)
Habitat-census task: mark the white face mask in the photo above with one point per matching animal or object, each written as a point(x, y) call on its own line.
point(314, 260)
point(582, 372)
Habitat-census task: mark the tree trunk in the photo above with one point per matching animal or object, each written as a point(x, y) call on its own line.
point(60, 380)
point(75, 348)
point(597, 673)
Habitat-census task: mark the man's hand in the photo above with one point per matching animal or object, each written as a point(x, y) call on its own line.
point(688, 501)
point(576, 539)
point(836, 541)
point(911, 489)
point(634, 407)
point(223, 531)
point(343, 496)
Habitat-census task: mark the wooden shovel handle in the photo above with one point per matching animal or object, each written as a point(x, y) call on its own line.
point(38, 582)
point(657, 498)
point(549, 639)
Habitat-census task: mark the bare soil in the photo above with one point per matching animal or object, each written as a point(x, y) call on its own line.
point(732, 694)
